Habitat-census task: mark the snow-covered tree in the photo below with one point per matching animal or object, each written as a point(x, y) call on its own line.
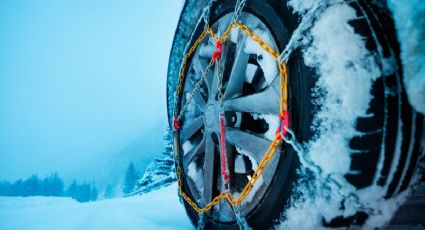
point(53, 185)
point(32, 186)
point(82, 192)
point(131, 177)
point(160, 172)
point(109, 192)
point(93, 192)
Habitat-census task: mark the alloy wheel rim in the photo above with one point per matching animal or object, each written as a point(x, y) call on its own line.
point(251, 107)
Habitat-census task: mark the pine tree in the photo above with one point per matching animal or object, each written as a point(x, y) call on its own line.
point(5, 188)
point(130, 180)
point(56, 185)
point(84, 192)
point(72, 189)
point(160, 172)
point(53, 185)
point(18, 188)
point(93, 192)
point(109, 192)
point(32, 186)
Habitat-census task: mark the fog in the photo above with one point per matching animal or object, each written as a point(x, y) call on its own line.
point(80, 81)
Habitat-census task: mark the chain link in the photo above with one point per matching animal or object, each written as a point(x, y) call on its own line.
point(184, 62)
point(305, 25)
point(196, 89)
point(206, 13)
point(328, 180)
point(238, 10)
point(220, 95)
point(240, 219)
point(201, 224)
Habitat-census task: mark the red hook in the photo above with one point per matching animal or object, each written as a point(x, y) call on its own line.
point(217, 54)
point(284, 121)
point(176, 124)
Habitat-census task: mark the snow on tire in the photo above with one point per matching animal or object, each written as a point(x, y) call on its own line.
point(357, 137)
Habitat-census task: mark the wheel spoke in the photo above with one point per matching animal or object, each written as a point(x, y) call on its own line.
point(237, 74)
point(187, 158)
point(209, 80)
point(192, 128)
point(209, 162)
point(213, 87)
point(199, 101)
point(225, 211)
point(265, 102)
point(198, 65)
point(253, 145)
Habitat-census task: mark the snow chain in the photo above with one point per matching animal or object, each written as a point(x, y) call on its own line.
point(178, 116)
point(282, 105)
point(284, 133)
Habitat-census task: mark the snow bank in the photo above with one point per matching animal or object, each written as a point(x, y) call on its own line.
point(35, 201)
point(410, 24)
point(158, 210)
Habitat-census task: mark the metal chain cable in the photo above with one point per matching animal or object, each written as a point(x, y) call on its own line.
point(222, 124)
point(183, 67)
point(195, 90)
point(206, 13)
point(328, 180)
point(201, 224)
point(220, 95)
point(307, 22)
point(240, 219)
point(238, 10)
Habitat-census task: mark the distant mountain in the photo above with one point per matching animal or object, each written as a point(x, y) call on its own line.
point(108, 169)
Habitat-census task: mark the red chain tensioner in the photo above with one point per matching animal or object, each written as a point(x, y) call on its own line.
point(224, 169)
point(176, 124)
point(284, 124)
point(217, 54)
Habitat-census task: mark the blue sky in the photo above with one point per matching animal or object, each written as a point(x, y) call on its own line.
point(79, 78)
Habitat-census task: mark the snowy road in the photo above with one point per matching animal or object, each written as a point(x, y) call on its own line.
point(158, 210)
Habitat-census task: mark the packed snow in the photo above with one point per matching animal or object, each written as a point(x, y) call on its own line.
point(157, 210)
point(273, 124)
point(340, 66)
point(196, 175)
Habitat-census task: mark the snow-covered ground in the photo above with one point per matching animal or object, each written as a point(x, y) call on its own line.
point(158, 210)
